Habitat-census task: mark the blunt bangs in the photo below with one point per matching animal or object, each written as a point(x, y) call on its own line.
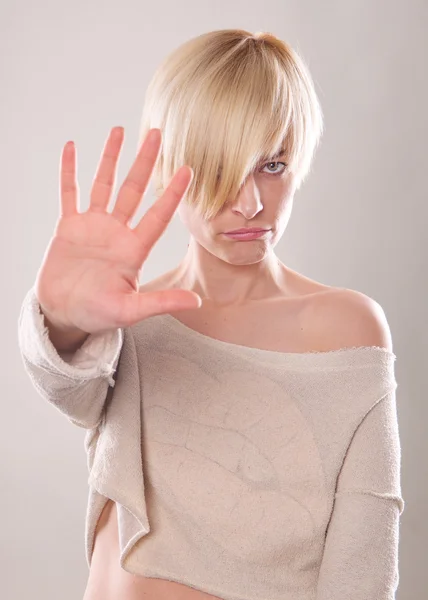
point(226, 103)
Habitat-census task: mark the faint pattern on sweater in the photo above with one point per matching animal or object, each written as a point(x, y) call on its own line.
point(241, 472)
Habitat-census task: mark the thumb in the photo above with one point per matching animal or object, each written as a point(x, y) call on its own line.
point(141, 305)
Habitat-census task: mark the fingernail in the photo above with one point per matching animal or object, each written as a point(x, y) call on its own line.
point(117, 132)
point(153, 135)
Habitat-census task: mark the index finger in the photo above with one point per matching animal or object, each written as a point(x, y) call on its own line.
point(135, 184)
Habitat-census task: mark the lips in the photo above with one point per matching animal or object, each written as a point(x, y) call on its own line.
point(248, 235)
point(248, 230)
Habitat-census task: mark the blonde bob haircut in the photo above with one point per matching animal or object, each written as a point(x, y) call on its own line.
point(227, 101)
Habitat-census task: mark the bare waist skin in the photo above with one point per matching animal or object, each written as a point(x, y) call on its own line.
point(108, 581)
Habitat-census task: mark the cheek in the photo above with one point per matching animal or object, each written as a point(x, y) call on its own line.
point(281, 212)
point(191, 220)
point(284, 212)
point(285, 205)
point(279, 206)
point(186, 214)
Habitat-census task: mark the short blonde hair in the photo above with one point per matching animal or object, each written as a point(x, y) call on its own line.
point(224, 101)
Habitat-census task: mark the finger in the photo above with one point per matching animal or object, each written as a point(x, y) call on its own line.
point(105, 175)
point(135, 184)
point(139, 306)
point(154, 222)
point(68, 184)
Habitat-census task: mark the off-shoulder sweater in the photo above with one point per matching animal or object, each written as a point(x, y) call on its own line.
point(246, 473)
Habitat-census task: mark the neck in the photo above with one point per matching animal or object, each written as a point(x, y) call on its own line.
point(227, 284)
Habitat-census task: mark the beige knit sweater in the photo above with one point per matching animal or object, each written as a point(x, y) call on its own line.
point(248, 474)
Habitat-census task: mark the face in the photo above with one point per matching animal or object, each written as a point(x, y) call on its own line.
point(264, 201)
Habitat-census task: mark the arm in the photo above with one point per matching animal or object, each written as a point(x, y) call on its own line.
point(77, 382)
point(360, 560)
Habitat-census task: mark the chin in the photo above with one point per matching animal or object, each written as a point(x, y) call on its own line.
point(243, 256)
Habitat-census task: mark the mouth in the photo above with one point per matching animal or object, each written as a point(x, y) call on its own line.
point(247, 230)
point(247, 234)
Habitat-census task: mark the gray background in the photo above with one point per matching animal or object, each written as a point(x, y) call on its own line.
point(73, 70)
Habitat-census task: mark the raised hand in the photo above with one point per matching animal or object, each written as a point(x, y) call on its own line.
point(88, 281)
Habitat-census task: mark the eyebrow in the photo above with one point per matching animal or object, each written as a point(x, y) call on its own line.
point(277, 155)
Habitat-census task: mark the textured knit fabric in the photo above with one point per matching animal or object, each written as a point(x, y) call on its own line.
point(245, 473)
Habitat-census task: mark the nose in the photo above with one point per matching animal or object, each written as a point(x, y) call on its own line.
point(248, 201)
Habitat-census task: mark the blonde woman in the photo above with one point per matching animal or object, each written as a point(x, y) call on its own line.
point(242, 433)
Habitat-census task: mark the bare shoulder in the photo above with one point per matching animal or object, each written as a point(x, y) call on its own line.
point(346, 318)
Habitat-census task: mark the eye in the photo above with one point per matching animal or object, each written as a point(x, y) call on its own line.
point(276, 163)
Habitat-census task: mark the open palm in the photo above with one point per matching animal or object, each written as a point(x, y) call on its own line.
point(89, 278)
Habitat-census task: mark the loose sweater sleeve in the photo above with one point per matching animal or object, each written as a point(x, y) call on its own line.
point(360, 560)
point(76, 383)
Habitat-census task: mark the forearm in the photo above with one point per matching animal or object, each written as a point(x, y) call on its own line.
point(76, 382)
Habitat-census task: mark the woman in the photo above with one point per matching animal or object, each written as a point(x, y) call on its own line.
point(247, 446)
